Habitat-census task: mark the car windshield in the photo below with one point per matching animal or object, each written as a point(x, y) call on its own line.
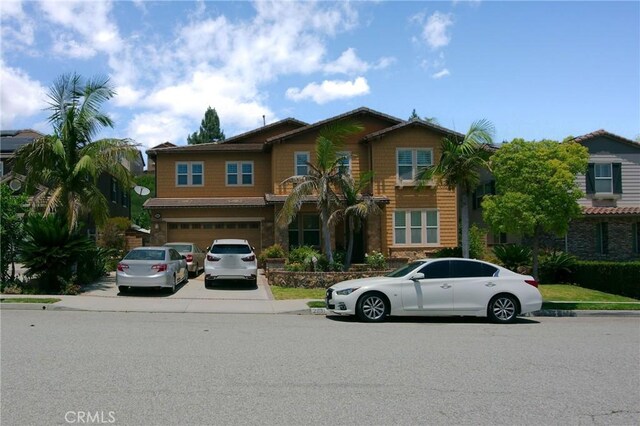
point(230, 249)
point(180, 247)
point(404, 270)
point(145, 255)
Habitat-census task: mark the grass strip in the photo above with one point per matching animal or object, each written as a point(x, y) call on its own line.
point(43, 300)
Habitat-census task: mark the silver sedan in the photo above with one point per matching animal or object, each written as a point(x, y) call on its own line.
point(160, 267)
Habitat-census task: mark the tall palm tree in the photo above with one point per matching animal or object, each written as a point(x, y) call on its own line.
point(356, 206)
point(324, 177)
point(459, 168)
point(68, 162)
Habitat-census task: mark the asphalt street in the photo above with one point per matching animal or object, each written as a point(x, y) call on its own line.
point(196, 369)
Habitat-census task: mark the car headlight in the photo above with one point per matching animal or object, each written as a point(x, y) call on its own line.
point(347, 291)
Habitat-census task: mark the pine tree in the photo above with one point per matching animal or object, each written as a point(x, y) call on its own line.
point(209, 129)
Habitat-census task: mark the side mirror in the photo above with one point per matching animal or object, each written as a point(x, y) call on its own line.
point(417, 276)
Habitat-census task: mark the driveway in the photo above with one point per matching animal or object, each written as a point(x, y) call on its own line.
point(193, 289)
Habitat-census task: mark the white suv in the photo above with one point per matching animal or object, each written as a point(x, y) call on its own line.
point(230, 259)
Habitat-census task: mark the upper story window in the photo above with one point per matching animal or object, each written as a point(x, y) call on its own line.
point(239, 173)
point(189, 173)
point(410, 161)
point(301, 161)
point(604, 178)
point(344, 158)
point(415, 227)
point(488, 188)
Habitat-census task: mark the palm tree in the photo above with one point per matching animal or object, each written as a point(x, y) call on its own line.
point(459, 168)
point(356, 206)
point(324, 177)
point(68, 163)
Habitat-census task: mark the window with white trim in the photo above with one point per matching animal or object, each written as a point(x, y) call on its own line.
point(603, 178)
point(415, 227)
point(409, 162)
point(190, 173)
point(344, 158)
point(239, 173)
point(301, 160)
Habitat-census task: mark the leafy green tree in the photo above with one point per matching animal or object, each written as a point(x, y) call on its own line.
point(459, 166)
point(12, 210)
point(325, 175)
point(414, 116)
point(139, 215)
point(209, 129)
point(68, 163)
point(355, 206)
point(536, 189)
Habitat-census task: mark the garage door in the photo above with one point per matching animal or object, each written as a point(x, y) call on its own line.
point(203, 234)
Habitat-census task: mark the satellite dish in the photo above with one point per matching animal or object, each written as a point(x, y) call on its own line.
point(141, 190)
point(15, 184)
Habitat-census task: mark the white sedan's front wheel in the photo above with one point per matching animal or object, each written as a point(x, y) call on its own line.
point(372, 307)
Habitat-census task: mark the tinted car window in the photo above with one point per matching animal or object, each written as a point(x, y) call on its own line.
point(145, 255)
point(230, 249)
point(469, 268)
point(175, 255)
point(438, 269)
point(401, 272)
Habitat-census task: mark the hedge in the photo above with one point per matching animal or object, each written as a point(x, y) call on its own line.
point(621, 278)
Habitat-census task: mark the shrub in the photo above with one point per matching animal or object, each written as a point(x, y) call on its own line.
point(512, 256)
point(621, 278)
point(272, 252)
point(376, 261)
point(304, 255)
point(477, 243)
point(95, 263)
point(556, 267)
point(295, 267)
point(50, 252)
point(448, 252)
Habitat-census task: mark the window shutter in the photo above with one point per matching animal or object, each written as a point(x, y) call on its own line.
point(591, 178)
point(616, 171)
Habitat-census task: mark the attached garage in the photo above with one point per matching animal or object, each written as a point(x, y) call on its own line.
point(203, 233)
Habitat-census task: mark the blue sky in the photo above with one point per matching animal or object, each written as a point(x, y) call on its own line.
point(535, 69)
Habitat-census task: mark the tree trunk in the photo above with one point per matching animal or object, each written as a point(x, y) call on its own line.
point(464, 210)
point(347, 259)
point(536, 245)
point(326, 234)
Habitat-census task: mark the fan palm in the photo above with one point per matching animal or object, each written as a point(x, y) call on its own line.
point(459, 168)
point(356, 206)
point(324, 177)
point(67, 163)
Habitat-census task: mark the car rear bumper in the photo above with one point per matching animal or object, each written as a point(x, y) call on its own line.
point(192, 266)
point(159, 280)
point(230, 274)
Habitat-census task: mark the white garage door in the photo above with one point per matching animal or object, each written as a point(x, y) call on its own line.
point(203, 234)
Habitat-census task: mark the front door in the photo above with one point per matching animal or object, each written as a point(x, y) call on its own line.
point(432, 295)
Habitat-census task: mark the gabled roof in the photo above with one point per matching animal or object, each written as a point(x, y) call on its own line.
point(413, 123)
point(604, 133)
point(212, 147)
point(358, 111)
point(164, 145)
point(289, 120)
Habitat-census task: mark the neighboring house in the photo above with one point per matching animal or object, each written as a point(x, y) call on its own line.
point(609, 228)
point(10, 142)
point(234, 189)
point(151, 166)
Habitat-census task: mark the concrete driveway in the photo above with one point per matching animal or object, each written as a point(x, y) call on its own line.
point(193, 289)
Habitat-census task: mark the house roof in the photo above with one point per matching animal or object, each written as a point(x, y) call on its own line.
point(173, 203)
point(164, 145)
point(610, 211)
point(355, 112)
point(413, 123)
point(12, 140)
point(602, 132)
point(273, 199)
point(237, 138)
point(212, 147)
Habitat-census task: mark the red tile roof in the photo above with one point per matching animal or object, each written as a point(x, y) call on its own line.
point(609, 211)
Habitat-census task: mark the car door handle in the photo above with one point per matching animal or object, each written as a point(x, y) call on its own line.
point(490, 284)
point(445, 286)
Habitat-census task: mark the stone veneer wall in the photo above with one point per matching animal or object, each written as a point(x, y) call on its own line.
point(581, 239)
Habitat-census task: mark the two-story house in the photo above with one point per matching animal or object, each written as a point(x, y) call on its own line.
point(609, 228)
point(234, 189)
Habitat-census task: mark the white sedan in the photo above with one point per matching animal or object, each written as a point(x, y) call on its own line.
point(438, 287)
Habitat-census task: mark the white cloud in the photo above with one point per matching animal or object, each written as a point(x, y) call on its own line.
point(66, 46)
point(17, 28)
point(384, 62)
point(127, 96)
point(151, 129)
point(435, 32)
point(347, 63)
point(442, 73)
point(329, 90)
point(20, 95)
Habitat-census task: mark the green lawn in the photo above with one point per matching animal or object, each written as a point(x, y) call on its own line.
point(29, 300)
point(587, 299)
